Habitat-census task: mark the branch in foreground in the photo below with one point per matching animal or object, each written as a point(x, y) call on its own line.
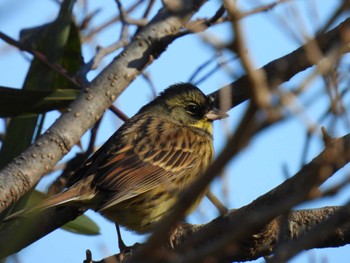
point(284, 68)
point(297, 224)
point(331, 232)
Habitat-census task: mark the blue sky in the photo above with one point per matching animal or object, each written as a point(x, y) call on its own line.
point(243, 182)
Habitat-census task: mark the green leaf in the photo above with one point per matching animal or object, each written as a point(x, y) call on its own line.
point(83, 225)
point(14, 102)
point(51, 40)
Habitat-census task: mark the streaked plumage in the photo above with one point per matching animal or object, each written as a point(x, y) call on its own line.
point(136, 176)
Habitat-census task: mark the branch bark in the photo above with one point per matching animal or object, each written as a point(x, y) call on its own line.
point(282, 229)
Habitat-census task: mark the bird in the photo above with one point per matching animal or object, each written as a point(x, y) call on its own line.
point(136, 176)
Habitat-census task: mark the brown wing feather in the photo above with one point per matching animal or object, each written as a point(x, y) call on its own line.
point(133, 171)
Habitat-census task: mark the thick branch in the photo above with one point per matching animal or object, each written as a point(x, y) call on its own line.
point(333, 231)
point(296, 224)
point(281, 229)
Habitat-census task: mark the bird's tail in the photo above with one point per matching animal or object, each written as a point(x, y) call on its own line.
point(71, 197)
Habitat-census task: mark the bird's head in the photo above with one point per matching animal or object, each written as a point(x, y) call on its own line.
point(184, 104)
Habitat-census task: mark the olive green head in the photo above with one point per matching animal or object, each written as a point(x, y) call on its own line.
point(184, 104)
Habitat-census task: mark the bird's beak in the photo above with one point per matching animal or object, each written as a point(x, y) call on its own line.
point(216, 114)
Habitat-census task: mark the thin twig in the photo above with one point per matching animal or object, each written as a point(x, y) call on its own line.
point(217, 203)
point(119, 113)
point(263, 8)
point(145, 15)
point(127, 20)
point(100, 28)
point(259, 89)
point(150, 83)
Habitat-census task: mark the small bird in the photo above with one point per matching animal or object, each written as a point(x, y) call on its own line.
point(135, 178)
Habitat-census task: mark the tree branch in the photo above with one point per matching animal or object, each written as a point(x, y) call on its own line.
point(295, 226)
point(284, 68)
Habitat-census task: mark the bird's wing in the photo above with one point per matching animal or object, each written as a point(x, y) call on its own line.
point(136, 169)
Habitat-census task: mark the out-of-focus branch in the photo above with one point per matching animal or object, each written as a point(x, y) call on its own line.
point(298, 224)
point(128, 20)
point(284, 68)
point(100, 28)
point(259, 91)
point(263, 8)
point(332, 231)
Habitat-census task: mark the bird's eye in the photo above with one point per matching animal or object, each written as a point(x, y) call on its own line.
point(193, 109)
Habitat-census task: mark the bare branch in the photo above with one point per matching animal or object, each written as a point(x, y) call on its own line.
point(284, 68)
